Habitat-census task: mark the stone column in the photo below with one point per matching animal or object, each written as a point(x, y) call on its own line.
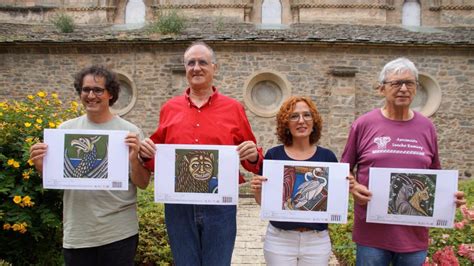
point(342, 109)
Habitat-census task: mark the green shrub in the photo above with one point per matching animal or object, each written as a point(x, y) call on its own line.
point(153, 247)
point(31, 217)
point(345, 249)
point(341, 237)
point(168, 23)
point(63, 22)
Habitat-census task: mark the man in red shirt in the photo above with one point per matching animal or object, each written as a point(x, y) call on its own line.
point(203, 234)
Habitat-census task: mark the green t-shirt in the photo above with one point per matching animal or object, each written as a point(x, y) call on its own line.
point(94, 218)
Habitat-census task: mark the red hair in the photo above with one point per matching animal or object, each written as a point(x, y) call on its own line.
point(282, 119)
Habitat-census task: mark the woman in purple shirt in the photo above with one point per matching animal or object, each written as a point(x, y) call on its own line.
point(393, 136)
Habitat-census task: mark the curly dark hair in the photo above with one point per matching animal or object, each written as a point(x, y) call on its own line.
point(112, 84)
point(282, 119)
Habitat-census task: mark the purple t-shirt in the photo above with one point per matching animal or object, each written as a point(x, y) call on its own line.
point(375, 141)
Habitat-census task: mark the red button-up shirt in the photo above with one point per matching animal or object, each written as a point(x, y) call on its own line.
point(220, 121)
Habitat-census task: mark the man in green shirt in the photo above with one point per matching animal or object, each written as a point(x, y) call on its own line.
point(100, 226)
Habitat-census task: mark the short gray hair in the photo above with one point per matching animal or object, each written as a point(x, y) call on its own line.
point(213, 55)
point(397, 66)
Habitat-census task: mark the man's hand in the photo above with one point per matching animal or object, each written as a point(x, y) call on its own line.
point(460, 199)
point(360, 193)
point(133, 142)
point(248, 151)
point(147, 149)
point(37, 153)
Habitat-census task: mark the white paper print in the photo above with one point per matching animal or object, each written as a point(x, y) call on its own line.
point(196, 174)
point(301, 191)
point(418, 197)
point(86, 159)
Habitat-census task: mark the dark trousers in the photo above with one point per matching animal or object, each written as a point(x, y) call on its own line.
point(121, 252)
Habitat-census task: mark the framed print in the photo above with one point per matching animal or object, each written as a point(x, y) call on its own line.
point(301, 191)
point(418, 197)
point(86, 159)
point(196, 174)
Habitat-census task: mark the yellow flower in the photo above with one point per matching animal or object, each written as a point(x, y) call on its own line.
point(41, 94)
point(29, 139)
point(54, 95)
point(38, 126)
point(16, 164)
point(52, 125)
point(16, 227)
point(6, 226)
point(30, 162)
point(11, 161)
point(31, 97)
point(74, 104)
point(26, 175)
point(26, 199)
point(39, 120)
point(23, 228)
point(17, 199)
point(27, 124)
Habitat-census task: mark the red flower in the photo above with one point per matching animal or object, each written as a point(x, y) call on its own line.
point(445, 257)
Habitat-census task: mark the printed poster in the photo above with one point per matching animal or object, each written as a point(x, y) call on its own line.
point(412, 197)
point(301, 191)
point(86, 159)
point(196, 174)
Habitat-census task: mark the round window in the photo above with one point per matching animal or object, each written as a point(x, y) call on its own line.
point(428, 96)
point(265, 91)
point(127, 95)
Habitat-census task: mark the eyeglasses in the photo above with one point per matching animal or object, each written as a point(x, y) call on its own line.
point(307, 116)
point(96, 90)
point(397, 84)
point(192, 63)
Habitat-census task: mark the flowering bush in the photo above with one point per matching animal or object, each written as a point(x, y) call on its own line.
point(443, 257)
point(460, 239)
point(30, 217)
point(448, 244)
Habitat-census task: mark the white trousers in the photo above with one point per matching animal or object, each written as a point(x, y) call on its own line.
point(287, 247)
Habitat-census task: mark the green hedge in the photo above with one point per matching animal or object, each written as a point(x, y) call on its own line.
point(344, 248)
point(153, 246)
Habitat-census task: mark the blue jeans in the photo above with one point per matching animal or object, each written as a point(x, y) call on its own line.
point(369, 256)
point(201, 234)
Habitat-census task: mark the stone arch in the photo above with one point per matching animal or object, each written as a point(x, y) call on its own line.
point(411, 13)
point(121, 6)
point(135, 11)
point(272, 11)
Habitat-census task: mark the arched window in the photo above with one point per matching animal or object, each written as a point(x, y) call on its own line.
point(135, 12)
point(411, 13)
point(271, 12)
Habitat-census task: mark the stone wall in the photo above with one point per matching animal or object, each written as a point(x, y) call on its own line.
point(157, 72)
point(367, 12)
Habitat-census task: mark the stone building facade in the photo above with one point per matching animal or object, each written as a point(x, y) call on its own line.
point(314, 52)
